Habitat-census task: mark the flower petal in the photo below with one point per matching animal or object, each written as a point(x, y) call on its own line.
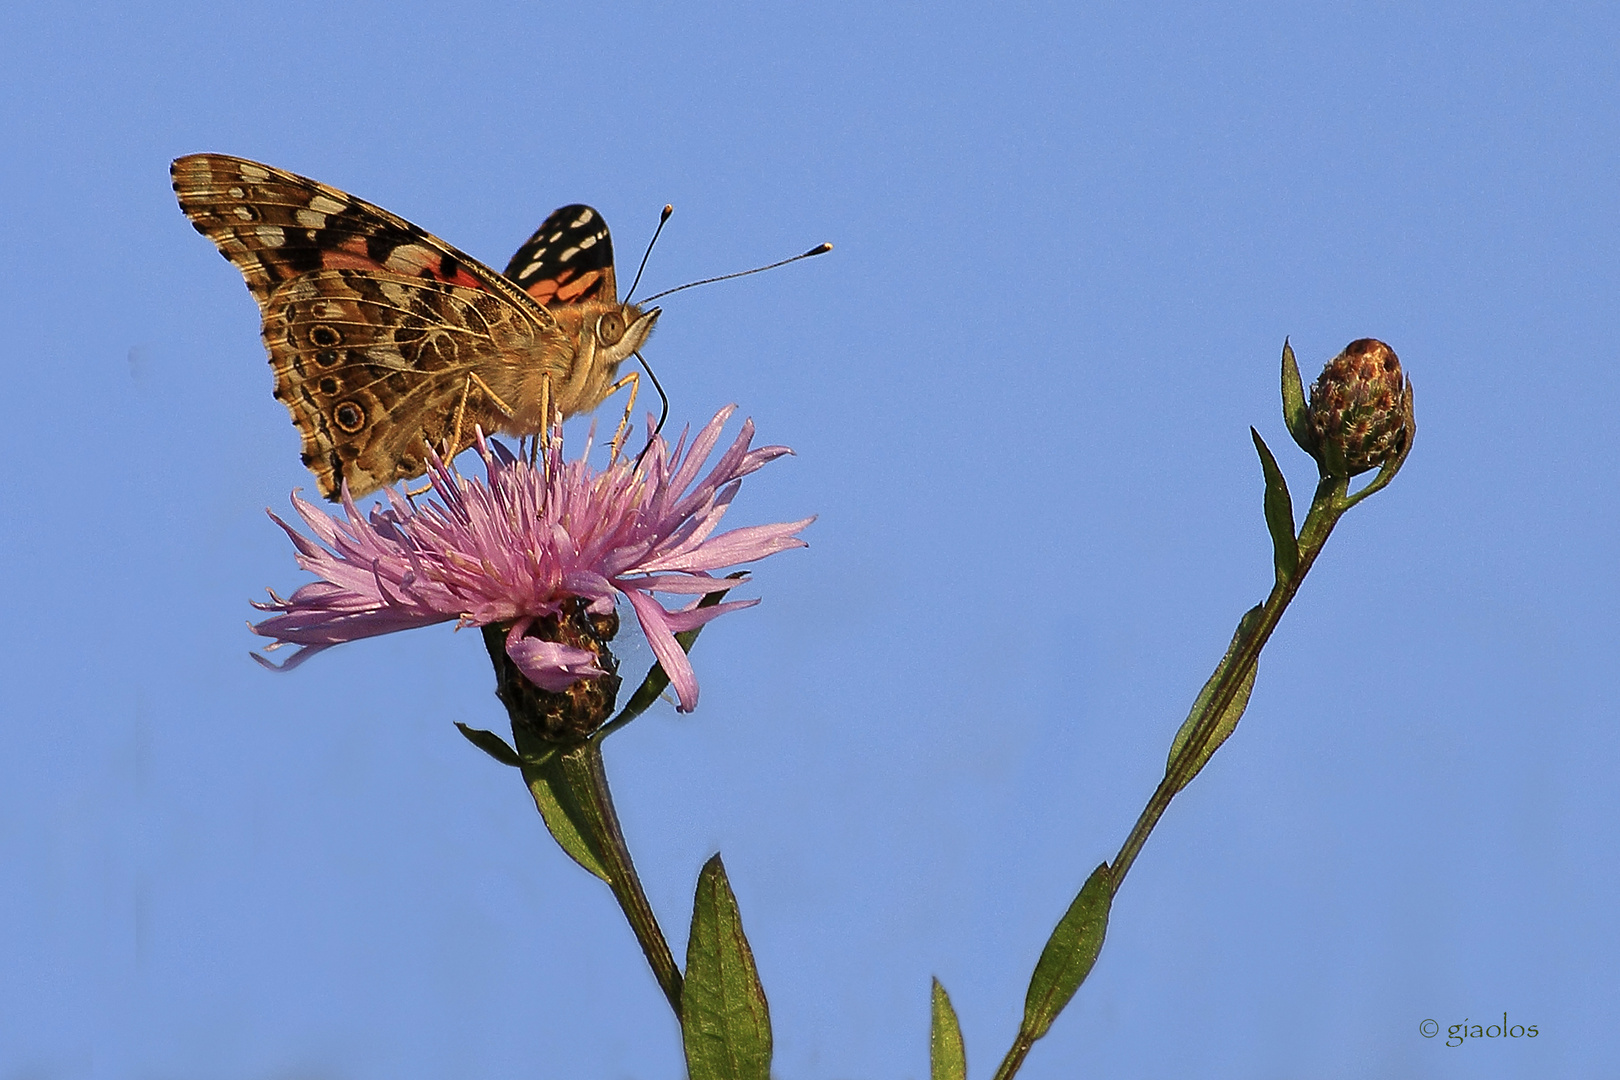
point(693, 617)
point(655, 624)
point(523, 542)
point(552, 665)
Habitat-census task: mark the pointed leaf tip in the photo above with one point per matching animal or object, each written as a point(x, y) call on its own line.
point(491, 744)
point(1069, 953)
point(1296, 411)
point(1279, 509)
point(725, 1020)
point(947, 1059)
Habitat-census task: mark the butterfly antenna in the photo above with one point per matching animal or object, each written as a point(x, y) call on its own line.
point(819, 249)
point(669, 209)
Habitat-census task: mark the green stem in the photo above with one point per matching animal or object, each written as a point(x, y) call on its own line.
point(586, 781)
point(1324, 513)
point(1015, 1056)
point(587, 771)
point(1327, 507)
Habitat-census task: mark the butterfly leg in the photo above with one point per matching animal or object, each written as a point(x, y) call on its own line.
point(453, 444)
point(448, 449)
point(545, 411)
point(633, 381)
point(454, 441)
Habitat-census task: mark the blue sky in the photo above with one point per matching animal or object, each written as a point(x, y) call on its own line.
point(1070, 242)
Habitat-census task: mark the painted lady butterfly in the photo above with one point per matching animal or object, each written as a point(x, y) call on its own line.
point(384, 339)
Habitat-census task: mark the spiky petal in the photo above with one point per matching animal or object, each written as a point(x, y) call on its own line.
point(525, 543)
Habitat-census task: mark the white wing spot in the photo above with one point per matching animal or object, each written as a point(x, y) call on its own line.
point(568, 256)
point(589, 241)
point(236, 193)
point(531, 268)
point(271, 235)
point(250, 171)
point(243, 212)
point(584, 217)
point(310, 219)
point(327, 205)
point(408, 258)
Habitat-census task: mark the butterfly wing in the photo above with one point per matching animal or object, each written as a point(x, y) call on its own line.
point(376, 367)
point(569, 259)
point(374, 326)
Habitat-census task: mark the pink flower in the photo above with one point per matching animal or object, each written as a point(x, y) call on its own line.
point(524, 543)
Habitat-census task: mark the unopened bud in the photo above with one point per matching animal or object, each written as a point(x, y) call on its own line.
point(1359, 407)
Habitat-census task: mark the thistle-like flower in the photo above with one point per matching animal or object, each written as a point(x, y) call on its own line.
point(1359, 406)
point(532, 550)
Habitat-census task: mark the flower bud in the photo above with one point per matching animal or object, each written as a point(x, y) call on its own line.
point(1359, 407)
point(572, 713)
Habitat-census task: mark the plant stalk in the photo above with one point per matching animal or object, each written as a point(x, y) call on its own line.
point(585, 779)
point(1328, 505)
point(1323, 515)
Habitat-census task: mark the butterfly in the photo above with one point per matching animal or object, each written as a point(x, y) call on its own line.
point(385, 340)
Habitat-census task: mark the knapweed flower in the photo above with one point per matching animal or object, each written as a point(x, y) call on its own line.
point(535, 545)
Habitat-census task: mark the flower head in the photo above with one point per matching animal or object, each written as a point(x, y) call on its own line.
point(531, 546)
point(1359, 406)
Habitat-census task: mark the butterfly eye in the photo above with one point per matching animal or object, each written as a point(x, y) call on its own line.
point(610, 328)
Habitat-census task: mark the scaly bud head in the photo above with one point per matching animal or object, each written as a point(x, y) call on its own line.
point(574, 712)
point(1359, 408)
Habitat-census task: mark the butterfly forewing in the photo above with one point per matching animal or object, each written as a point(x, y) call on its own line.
point(275, 225)
point(383, 338)
point(569, 259)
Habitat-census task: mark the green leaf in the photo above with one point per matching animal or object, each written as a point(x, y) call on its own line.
point(657, 681)
point(1069, 953)
point(1279, 513)
point(725, 1023)
point(564, 808)
point(1229, 716)
point(947, 1060)
point(1296, 413)
point(491, 744)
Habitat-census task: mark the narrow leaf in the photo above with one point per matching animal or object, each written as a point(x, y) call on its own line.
point(490, 743)
point(562, 807)
point(725, 1022)
point(1229, 716)
point(947, 1060)
point(1279, 513)
point(1069, 953)
point(657, 681)
point(1296, 413)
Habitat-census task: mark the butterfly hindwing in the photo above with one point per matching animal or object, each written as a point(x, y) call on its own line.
point(376, 367)
point(568, 259)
